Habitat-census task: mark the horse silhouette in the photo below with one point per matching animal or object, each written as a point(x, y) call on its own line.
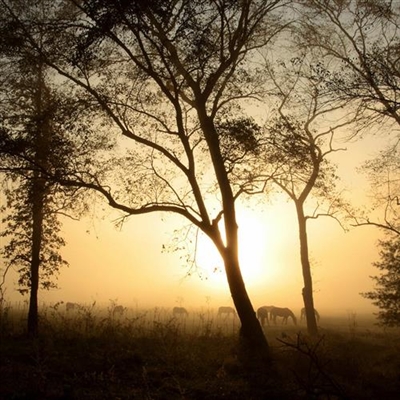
point(227, 311)
point(303, 314)
point(179, 312)
point(285, 313)
point(262, 314)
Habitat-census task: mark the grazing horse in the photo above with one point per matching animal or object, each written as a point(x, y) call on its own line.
point(282, 312)
point(179, 312)
point(71, 306)
point(262, 314)
point(303, 314)
point(118, 310)
point(227, 311)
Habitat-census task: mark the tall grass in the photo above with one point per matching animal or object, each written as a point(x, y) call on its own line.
point(93, 353)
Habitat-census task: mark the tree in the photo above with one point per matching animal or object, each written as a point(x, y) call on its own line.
point(361, 40)
point(362, 43)
point(296, 147)
point(386, 295)
point(35, 240)
point(35, 142)
point(168, 75)
point(383, 174)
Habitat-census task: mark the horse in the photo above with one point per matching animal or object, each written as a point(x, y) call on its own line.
point(71, 306)
point(179, 312)
point(118, 310)
point(303, 314)
point(227, 311)
point(285, 313)
point(262, 314)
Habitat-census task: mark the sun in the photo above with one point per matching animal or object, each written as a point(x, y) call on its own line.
point(257, 252)
point(256, 256)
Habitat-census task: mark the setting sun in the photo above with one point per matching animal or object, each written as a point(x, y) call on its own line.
point(255, 237)
point(259, 247)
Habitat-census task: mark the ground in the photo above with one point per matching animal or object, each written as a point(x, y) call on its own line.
point(149, 354)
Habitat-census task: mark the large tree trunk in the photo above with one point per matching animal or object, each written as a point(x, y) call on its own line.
point(307, 291)
point(251, 333)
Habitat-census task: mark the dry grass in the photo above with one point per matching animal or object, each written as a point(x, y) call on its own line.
point(148, 354)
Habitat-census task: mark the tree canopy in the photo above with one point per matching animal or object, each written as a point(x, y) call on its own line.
point(386, 294)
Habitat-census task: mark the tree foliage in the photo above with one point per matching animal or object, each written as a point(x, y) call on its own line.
point(18, 229)
point(386, 294)
point(40, 140)
point(383, 174)
point(360, 40)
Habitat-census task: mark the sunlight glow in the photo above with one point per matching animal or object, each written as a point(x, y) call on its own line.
point(258, 252)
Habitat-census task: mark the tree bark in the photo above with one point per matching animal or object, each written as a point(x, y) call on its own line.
point(38, 196)
point(37, 231)
point(307, 291)
point(251, 332)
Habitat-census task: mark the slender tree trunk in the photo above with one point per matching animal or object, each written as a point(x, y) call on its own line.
point(38, 196)
point(37, 230)
point(307, 291)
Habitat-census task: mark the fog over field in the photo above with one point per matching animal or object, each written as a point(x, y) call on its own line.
point(132, 266)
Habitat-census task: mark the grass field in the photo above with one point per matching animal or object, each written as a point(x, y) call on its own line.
point(89, 353)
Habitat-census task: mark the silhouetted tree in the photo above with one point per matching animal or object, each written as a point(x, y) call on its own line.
point(296, 147)
point(33, 230)
point(383, 173)
point(360, 40)
point(386, 295)
point(172, 76)
point(35, 145)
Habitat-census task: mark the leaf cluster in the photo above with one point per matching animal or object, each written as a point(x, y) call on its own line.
point(360, 42)
point(237, 138)
point(18, 231)
point(386, 295)
point(296, 159)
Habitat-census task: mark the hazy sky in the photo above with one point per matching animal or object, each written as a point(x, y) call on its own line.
point(128, 266)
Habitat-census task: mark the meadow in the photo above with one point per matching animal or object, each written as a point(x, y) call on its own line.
point(92, 353)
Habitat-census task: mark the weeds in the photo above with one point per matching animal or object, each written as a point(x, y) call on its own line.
point(314, 377)
point(89, 353)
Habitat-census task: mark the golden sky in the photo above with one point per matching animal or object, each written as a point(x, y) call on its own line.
point(128, 266)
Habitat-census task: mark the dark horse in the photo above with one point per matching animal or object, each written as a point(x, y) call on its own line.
point(262, 314)
point(285, 313)
point(179, 312)
point(227, 311)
